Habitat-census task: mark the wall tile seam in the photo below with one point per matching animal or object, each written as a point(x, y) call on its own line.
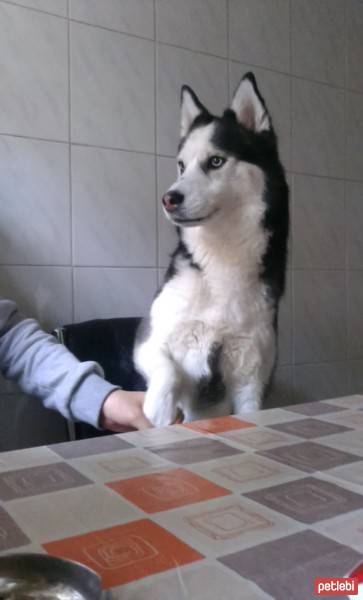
point(161, 266)
point(70, 182)
point(297, 77)
point(228, 51)
point(347, 343)
point(291, 207)
point(77, 266)
point(159, 155)
point(157, 240)
point(320, 362)
point(33, 9)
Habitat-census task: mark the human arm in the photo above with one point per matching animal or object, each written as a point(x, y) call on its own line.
point(46, 369)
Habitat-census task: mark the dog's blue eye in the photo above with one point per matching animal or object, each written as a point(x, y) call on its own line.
point(215, 162)
point(181, 166)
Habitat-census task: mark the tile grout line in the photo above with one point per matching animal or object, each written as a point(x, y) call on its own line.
point(347, 379)
point(161, 155)
point(156, 191)
point(70, 161)
point(105, 266)
point(292, 183)
point(36, 10)
point(228, 54)
point(76, 266)
point(288, 74)
point(340, 361)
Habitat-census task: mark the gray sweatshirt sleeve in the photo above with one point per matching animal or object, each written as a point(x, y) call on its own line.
point(46, 369)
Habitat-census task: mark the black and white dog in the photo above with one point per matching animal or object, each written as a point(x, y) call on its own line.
point(209, 346)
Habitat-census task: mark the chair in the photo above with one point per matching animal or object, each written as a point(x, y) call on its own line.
point(109, 342)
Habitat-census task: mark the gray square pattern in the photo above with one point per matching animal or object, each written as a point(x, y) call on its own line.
point(308, 500)
point(194, 451)
point(39, 480)
point(291, 564)
point(91, 446)
point(315, 408)
point(310, 457)
point(11, 535)
point(310, 428)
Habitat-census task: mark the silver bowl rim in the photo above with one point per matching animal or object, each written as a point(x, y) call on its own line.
point(46, 557)
point(77, 574)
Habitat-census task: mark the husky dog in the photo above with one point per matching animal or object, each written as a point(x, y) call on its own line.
point(209, 346)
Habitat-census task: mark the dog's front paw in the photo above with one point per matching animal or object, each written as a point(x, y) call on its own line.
point(160, 409)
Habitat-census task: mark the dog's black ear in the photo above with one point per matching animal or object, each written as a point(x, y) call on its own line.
point(249, 105)
point(191, 108)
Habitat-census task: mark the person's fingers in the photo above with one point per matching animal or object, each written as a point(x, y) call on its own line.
point(119, 428)
point(141, 422)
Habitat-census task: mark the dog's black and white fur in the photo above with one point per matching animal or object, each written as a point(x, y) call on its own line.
point(209, 347)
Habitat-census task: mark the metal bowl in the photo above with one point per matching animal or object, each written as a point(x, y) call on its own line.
point(43, 577)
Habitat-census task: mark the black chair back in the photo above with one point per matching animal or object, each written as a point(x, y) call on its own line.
point(110, 343)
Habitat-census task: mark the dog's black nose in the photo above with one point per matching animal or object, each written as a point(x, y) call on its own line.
point(172, 200)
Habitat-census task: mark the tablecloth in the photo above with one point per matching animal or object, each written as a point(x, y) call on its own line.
point(239, 508)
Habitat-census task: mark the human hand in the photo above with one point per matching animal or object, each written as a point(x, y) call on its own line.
point(123, 411)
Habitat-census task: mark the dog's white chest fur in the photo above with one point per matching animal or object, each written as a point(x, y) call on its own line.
point(223, 307)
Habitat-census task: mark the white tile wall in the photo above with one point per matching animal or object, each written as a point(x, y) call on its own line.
point(259, 32)
point(285, 324)
point(34, 76)
point(354, 45)
point(320, 302)
point(321, 380)
point(354, 136)
point(112, 89)
point(106, 293)
point(35, 204)
point(179, 23)
point(355, 321)
point(113, 202)
point(317, 40)
point(134, 17)
point(354, 216)
point(318, 214)
point(41, 292)
point(83, 167)
point(317, 129)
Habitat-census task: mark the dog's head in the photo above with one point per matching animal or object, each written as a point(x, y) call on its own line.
point(221, 160)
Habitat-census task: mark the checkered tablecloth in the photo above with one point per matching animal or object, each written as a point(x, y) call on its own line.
point(232, 508)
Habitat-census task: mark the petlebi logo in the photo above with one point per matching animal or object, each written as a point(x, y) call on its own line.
point(336, 586)
point(351, 585)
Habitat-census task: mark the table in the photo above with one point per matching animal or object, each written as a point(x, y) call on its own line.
point(231, 508)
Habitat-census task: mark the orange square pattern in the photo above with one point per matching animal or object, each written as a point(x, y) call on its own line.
point(125, 553)
point(170, 489)
point(218, 425)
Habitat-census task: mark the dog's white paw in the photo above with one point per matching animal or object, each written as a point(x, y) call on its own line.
point(246, 400)
point(249, 406)
point(160, 408)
